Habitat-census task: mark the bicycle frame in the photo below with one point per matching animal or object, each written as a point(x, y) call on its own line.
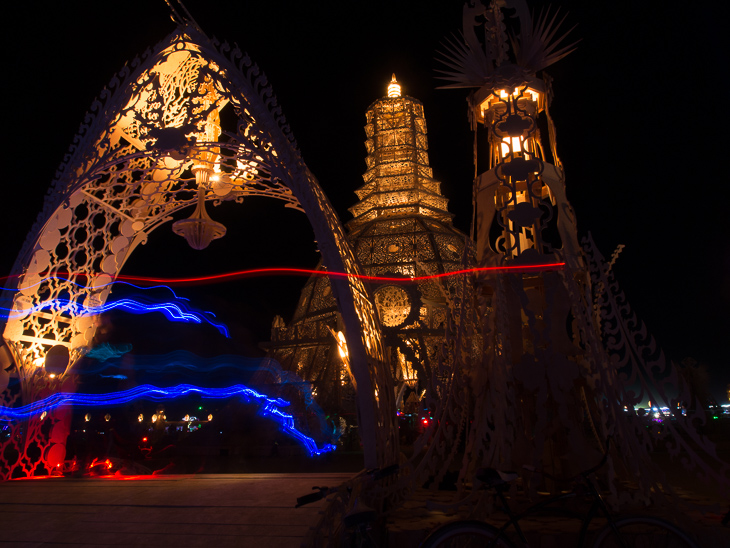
point(598, 508)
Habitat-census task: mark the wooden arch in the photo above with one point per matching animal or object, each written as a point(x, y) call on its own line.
point(131, 167)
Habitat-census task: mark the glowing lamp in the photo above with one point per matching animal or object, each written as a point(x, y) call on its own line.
point(342, 345)
point(107, 417)
point(140, 418)
point(516, 145)
point(210, 417)
point(393, 87)
point(87, 417)
point(154, 418)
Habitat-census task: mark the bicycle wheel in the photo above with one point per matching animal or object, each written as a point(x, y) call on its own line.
point(466, 534)
point(642, 532)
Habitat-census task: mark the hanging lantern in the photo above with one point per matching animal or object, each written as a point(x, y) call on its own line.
point(199, 229)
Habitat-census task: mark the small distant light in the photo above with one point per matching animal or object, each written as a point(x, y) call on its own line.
point(43, 415)
point(87, 417)
point(52, 375)
point(144, 439)
point(210, 417)
point(154, 418)
point(107, 417)
point(140, 418)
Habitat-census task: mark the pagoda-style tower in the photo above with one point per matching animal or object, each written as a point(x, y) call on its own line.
point(399, 181)
point(401, 230)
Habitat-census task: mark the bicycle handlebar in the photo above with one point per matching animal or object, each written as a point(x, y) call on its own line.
point(374, 473)
point(380, 473)
point(313, 497)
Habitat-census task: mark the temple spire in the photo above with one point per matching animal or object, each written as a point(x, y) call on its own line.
point(393, 87)
point(399, 181)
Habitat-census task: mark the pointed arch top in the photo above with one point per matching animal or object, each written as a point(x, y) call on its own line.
point(189, 104)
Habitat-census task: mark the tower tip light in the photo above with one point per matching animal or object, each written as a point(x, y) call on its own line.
point(393, 87)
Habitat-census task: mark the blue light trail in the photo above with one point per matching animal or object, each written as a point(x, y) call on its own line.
point(269, 407)
point(172, 311)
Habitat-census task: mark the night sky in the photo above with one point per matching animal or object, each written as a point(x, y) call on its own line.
point(639, 110)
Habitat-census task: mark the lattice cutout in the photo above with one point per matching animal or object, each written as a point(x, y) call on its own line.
point(131, 168)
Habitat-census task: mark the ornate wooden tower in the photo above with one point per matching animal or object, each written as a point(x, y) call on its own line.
point(401, 230)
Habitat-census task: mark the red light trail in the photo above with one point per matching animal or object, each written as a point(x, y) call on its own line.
point(260, 272)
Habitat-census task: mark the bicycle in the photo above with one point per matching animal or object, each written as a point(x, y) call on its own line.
point(359, 527)
point(620, 531)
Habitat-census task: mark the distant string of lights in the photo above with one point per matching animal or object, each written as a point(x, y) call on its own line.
point(183, 363)
point(261, 272)
point(269, 407)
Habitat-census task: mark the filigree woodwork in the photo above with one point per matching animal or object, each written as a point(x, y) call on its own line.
point(401, 229)
point(541, 368)
point(131, 168)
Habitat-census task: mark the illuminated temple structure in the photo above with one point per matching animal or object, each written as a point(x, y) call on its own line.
point(533, 356)
point(401, 229)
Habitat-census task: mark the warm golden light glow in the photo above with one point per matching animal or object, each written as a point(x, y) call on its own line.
point(342, 345)
point(393, 87)
point(530, 94)
point(140, 418)
point(409, 374)
point(393, 304)
point(518, 94)
point(516, 145)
